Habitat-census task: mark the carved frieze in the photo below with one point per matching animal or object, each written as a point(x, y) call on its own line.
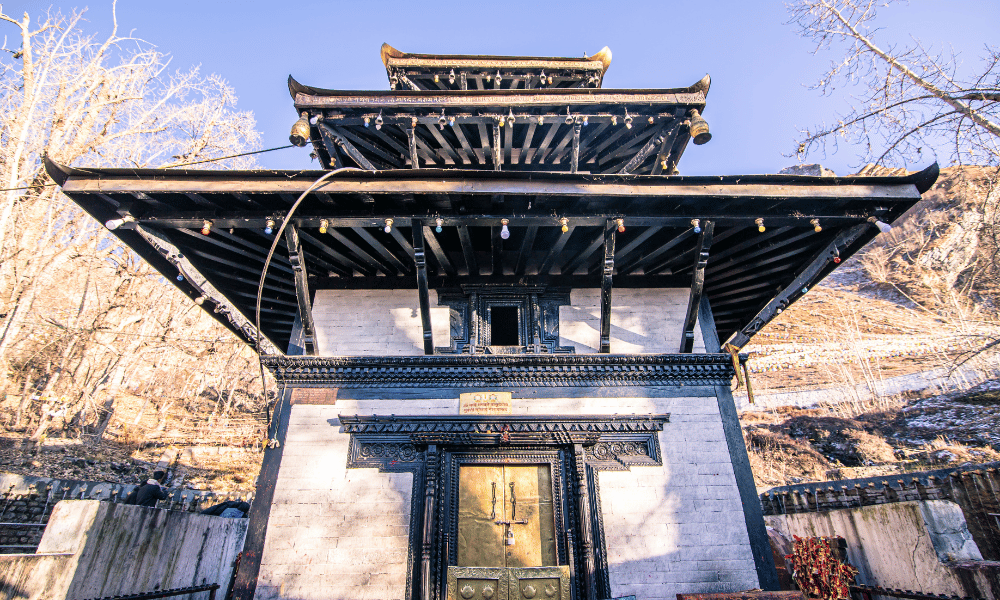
point(516, 370)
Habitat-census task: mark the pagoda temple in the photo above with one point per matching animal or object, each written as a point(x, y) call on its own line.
point(504, 327)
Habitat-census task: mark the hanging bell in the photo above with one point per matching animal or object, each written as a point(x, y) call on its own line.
point(300, 132)
point(699, 128)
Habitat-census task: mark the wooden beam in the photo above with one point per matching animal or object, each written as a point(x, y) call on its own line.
point(661, 155)
point(332, 138)
point(381, 249)
point(298, 259)
point(654, 142)
point(702, 246)
point(575, 159)
point(609, 268)
point(412, 138)
point(467, 251)
point(525, 253)
point(431, 243)
point(497, 154)
point(420, 260)
point(557, 248)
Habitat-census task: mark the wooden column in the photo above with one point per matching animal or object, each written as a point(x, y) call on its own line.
point(588, 567)
point(697, 286)
point(411, 137)
point(430, 493)
point(609, 267)
point(298, 260)
point(575, 160)
point(425, 303)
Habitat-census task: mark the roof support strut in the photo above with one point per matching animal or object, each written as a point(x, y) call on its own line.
point(798, 287)
point(609, 267)
point(425, 303)
point(298, 259)
point(701, 249)
point(331, 138)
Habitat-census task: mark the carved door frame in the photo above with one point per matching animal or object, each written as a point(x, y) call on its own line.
point(576, 448)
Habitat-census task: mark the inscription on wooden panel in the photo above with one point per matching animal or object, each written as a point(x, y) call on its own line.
point(314, 395)
point(485, 403)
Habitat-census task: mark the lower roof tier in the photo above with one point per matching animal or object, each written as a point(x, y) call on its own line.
point(770, 237)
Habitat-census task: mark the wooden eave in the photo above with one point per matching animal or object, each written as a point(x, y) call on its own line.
point(746, 271)
point(592, 131)
point(456, 72)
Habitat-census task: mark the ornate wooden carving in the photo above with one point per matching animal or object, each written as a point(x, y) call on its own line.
point(609, 267)
point(515, 370)
point(420, 260)
point(297, 258)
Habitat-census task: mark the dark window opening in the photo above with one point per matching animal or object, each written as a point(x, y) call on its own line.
point(503, 326)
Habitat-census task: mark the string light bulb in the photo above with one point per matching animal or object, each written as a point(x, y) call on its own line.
point(368, 121)
point(436, 78)
point(628, 120)
point(696, 223)
point(324, 224)
point(439, 222)
point(504, 232)
point(541, 120)
point(388, 225)
point(816, 226)
point(760, 225)
point(565, 224)
point(882, 226)
point(497, 79)
point(585, 121)
point(180, 276)
point(413, 121)
point(836, 256)
point(116, 223)
point(650, 120)
point(541, 78)
point(621, 225)
point(206, 227)
point(200, 300)
point(451, 121)
point(614, 119)
point(269, 226)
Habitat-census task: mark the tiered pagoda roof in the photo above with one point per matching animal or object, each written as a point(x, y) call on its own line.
point(565, 185)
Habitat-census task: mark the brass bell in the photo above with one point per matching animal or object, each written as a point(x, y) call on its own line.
point(300, 132)
point(699, 128)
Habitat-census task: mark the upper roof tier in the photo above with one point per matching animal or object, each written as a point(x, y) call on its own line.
point(456, 72)
point(568, 129)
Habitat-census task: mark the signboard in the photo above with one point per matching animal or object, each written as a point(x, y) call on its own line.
point(485, 403)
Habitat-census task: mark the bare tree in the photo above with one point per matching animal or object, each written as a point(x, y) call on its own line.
point(79, 313)
point(912, 100)
point(915, 104)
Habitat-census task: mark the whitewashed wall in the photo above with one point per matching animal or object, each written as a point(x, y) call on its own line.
point(342, 533)
point(387, 322)
point(375, 322)
point(643, 321)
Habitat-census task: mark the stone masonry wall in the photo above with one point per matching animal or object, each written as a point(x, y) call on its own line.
point(643, 321)
point(375, 322)
point(387, 322)
point(343, 533)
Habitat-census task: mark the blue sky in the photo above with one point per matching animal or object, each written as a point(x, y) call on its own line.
point(760, 68)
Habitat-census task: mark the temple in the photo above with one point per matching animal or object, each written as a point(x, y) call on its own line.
point(505, 329)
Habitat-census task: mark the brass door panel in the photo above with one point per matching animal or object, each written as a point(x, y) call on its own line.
point(529, 498)
point(539, 583)
point(518, 583)
point(480, 540)
point(478, 583)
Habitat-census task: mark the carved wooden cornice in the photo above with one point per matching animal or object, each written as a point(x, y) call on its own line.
point(519, 370)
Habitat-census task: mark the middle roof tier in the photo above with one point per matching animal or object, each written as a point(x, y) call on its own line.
point(570, 130)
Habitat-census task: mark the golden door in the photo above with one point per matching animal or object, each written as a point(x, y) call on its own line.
point(506, 542)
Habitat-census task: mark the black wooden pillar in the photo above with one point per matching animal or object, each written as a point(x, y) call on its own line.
point(588, 568)
point(430, 491)
point(420, 258)
point(297, 258)
point(609, 267)
point(701, 249)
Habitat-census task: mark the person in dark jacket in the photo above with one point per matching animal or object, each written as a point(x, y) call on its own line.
point(150, 492)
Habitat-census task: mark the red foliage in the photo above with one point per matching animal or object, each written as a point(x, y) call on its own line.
point(817, 571)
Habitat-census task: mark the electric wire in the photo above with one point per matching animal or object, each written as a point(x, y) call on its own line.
point(260, 287)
